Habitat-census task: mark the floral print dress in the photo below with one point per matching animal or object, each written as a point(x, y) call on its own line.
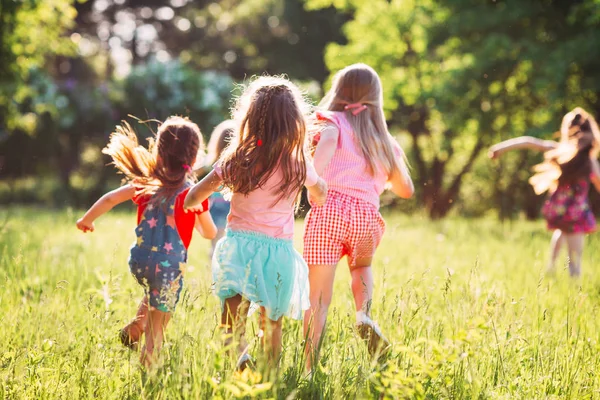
point(568, 208)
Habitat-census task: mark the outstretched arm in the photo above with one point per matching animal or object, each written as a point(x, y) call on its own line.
point(523, 142)
point(104, 205)
point(201, 190)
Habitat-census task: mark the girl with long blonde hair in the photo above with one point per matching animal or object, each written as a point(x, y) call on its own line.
point(570, 166)
point(357, 156)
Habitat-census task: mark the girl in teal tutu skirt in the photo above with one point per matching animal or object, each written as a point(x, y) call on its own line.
point(264, 167)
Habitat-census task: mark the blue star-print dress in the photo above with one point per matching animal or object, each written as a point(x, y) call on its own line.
point(158, 256)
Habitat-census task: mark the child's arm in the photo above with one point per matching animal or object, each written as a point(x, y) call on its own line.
point(317, 193)
point(402, 184)
point(523, 142)
point(595, 175)
point(201, 190)
point(326, 148)
point(104, 205)
point(206, 226)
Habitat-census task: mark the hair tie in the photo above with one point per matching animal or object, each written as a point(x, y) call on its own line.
point(187, 168)
point(358, 108)
point(259, 142)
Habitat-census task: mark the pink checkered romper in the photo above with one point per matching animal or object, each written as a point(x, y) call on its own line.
point(349, 223)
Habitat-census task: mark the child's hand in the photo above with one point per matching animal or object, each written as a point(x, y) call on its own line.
point(493, 153)
point(85, 226)
point(318, 200)
point(197, 209)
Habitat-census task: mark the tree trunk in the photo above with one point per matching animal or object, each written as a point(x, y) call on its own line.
point(442, 200)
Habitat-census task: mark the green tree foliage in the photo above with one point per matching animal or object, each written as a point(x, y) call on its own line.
point(159, 90)
point(461, 74)
point(30, 32)
point(242, 37)
point(531, 62)
point(68, 140)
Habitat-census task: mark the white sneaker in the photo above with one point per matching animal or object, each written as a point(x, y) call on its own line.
point(370, 331)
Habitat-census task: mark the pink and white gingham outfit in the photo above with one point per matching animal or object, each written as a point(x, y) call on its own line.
point(349, 223)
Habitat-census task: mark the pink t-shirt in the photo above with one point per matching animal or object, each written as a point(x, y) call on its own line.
point(348, 171)
point(256, 212)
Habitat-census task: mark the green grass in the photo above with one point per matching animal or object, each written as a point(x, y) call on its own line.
point(465, 303)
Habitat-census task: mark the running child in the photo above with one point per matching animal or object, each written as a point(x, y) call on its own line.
point(570, 166)
point(160, 178)
point(265, 168)
point(357, 156)
point(219, 207)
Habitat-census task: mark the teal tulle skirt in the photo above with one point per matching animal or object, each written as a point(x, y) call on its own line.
point(267, 271)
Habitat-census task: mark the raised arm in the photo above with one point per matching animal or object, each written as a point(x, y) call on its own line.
point(326, 148)
point(201, 190)
point(523, 142)
point(104, 205)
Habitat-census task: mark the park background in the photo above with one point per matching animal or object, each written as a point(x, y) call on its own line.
point(458, 76)
point(463, 297)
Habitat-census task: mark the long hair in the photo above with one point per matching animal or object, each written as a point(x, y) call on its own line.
point(165, 166)
point(220, 138)
point(570, 160)
point(359, 83)
point(270, 131)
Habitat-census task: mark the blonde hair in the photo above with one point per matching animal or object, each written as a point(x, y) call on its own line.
point(270, 132)
point(570, 160)
point(220, 137)
point(165, 166)
point(359, 83)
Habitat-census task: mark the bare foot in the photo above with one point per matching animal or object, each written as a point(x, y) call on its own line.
point(130, 335)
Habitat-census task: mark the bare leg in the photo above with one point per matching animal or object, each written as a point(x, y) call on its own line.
point(362, 285)
point(233, 320)
point(132, 332)
point(555, 246)
point(362, 290)
point(575, 243)
point(155, 331)
point(271, 340)
point(321, 290)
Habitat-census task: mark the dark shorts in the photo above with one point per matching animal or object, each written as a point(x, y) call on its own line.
point(160, 274)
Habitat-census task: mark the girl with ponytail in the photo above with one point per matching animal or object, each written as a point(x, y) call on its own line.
point(158, 178)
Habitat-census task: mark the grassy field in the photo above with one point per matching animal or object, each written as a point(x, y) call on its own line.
point(465, 303)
